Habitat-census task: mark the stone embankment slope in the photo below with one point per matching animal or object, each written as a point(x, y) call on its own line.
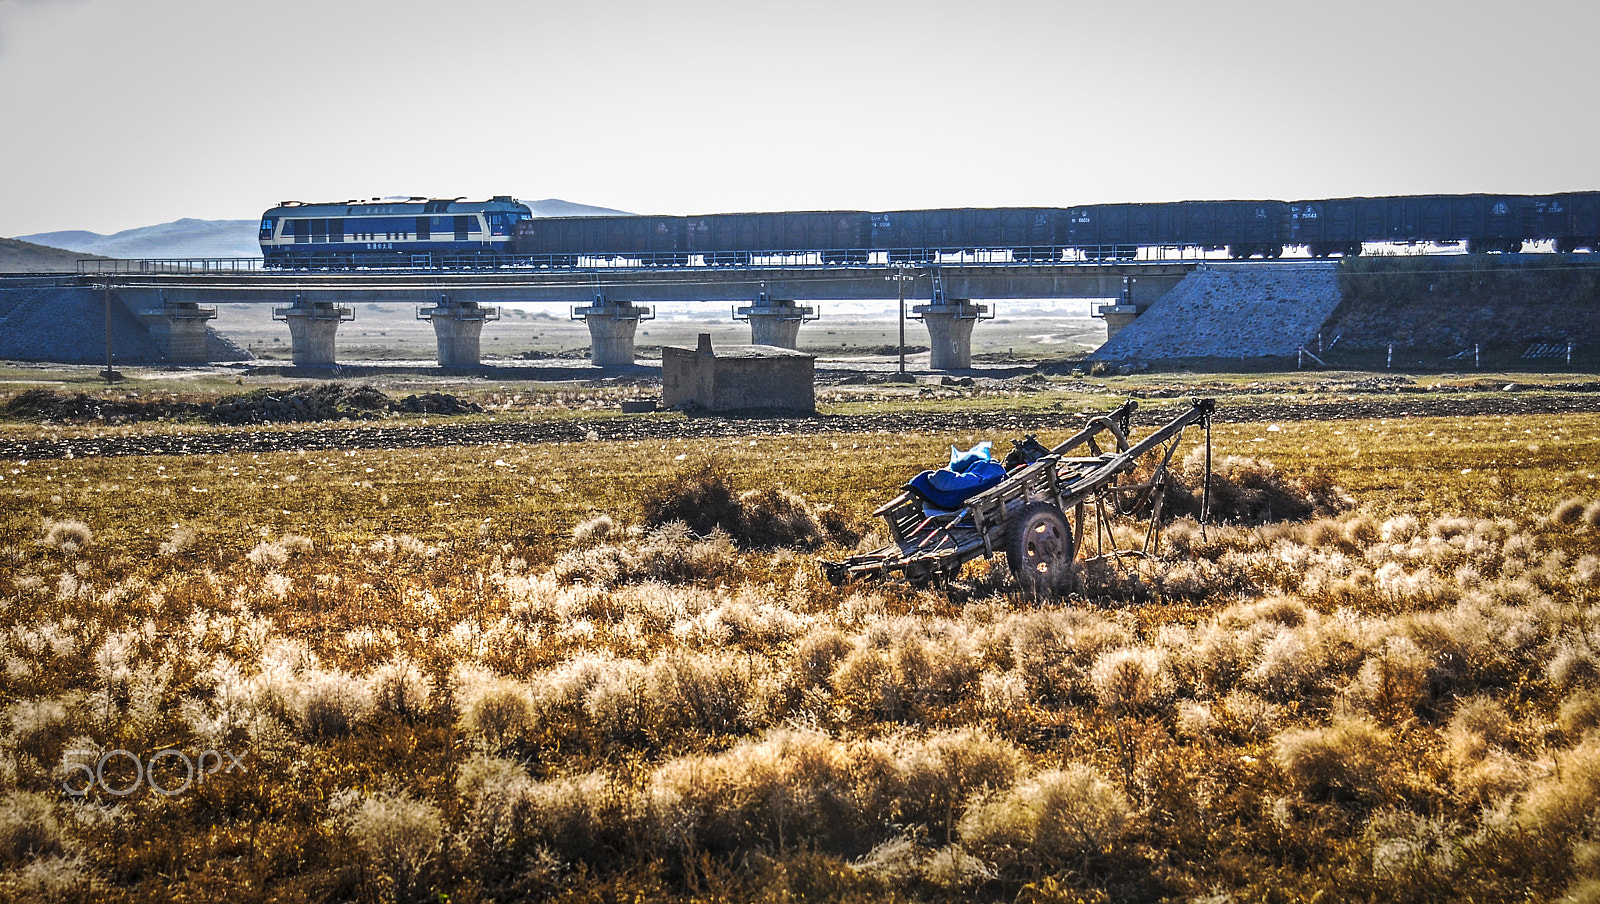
point(1239, 311)
point(67, 325)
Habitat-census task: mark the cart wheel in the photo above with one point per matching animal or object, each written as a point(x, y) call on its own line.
point(1041, 550)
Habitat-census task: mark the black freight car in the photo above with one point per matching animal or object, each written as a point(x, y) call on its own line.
point(561, 241)
point(921, 235)
point(1028, 233)
point(1105, 231)
point(1581, 221)
point(1244, 228)
point(835, 236)
point(1341, 225)
point(1483, 222)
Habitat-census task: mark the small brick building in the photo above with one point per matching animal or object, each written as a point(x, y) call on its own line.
point(745, 378)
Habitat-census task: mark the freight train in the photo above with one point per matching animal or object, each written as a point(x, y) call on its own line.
point(502, 230)
point(390, 232)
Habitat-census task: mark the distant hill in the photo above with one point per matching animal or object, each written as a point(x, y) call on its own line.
point(220, 238)
point(182, 238)
point(555, 207)
point(24, 257)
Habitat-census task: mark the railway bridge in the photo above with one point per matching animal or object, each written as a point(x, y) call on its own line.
point(176, 298)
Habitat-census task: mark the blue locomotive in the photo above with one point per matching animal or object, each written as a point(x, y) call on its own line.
point(390, 232)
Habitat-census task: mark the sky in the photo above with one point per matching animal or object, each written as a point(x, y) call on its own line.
point(125, 113)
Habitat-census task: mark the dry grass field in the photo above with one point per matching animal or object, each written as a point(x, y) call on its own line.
point(476, 674)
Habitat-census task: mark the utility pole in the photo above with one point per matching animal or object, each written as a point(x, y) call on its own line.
point(110, 376)
point(900, 276)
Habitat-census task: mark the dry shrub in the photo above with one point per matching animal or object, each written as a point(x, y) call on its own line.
point(817, 655)
point(702, 498)
point(575, 818)
point(1054, 650)
point(1585, 885)
point(711, 693)
point(1209, 659)
point(1251, 491)
point(904, 667)
point(1049, 821)
point(58, 880)
point(1347, 761)
point(1361, 531)
point(1130, 679)
point(1580, 713)
point(179, 542)
point(617, 702)
point(775, 517)
point(1277, 609)
point(929, 782)
point(1565, 802)
point(1568, 512)
point(904, 859)
point(578, 817)
point(269, 553)
point(496, 711)
point(1098, 579)
point(40, 727)
point(1414, 857)
point(1004, 695)
point(1475, 739)
point(330, 704)
point(706, 500)
point(29, 828)
point(1392, 683)
point(595, 530)
point(401, 688)
point(1573, 662)
point(671, 553)
point(1586, 573)
point(1477, 722)
point(1288, 666)
point(403, 547)
point(396, 835)
point(788, 788)
point(66, 534)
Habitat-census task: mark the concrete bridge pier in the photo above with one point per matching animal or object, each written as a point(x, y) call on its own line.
point(458, 327)
point(611, 328)
point(949, 323)
point(312, 325)
point(1137, 295)
point(1118, 317)
point(775, 322)
point(179, 330)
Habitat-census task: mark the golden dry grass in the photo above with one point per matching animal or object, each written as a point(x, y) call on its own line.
point(431, 697)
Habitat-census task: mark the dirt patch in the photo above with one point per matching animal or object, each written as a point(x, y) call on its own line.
point(664, 425)
point(309, 404)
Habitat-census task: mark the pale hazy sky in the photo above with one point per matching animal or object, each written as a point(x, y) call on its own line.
point(123, 113)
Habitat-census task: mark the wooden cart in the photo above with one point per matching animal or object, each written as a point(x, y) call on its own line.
point(1025, 515)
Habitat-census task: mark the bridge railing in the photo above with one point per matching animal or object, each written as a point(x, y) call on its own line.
point(170, 265)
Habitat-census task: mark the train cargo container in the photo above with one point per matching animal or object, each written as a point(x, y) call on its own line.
point(734, 238)
point(1341, 225)
point(650, 239)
